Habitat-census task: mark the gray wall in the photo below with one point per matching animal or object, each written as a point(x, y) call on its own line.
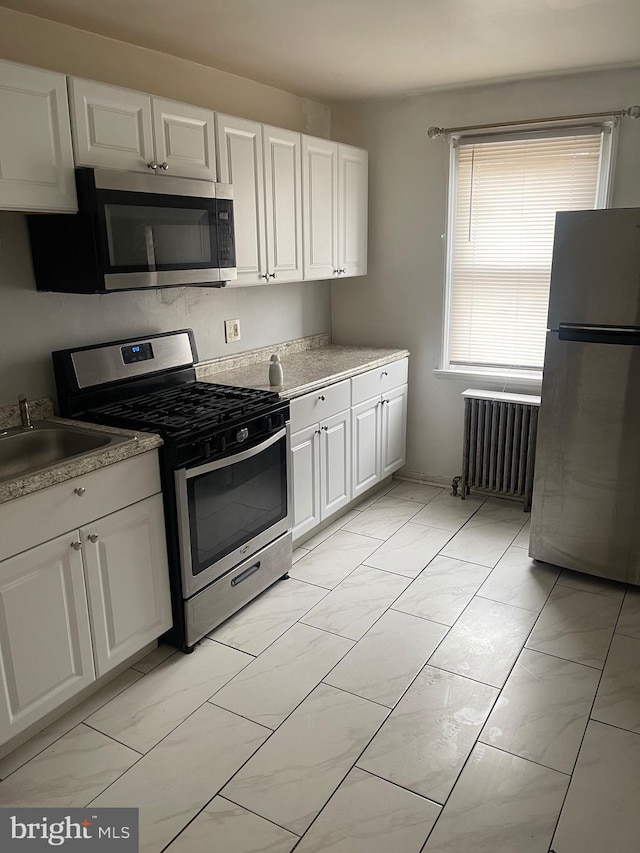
point(32, 324)
point(400, 301)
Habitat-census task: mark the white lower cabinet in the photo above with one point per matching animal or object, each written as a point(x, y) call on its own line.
point(321, 462)
point(127, 581)
point(45, 642)
point(305, 478)
point(75, 606)
point(320, 455)
point(366, 425)
point(346, 438)
point(393, 435)
point(335, 463)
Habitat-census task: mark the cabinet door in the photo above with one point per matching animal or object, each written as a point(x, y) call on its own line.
point(184, 139)
point(240, 163)
point(353, 177)
point(283, 200)
point(305, 468)
point(365, 429)
point(45, 651)
point(112, 127)
point(127, 581)
point(394, 430)
point(36, 161)
point(335, 463)
point(319, 207)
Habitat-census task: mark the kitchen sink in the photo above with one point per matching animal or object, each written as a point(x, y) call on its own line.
point(25, 451)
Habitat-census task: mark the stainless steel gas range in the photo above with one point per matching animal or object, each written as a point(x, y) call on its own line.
point(224, 464)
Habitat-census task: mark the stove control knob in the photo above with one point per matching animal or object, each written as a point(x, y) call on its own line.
point(242, 435)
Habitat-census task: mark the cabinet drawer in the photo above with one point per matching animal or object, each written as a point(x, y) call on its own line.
point(378, 381)
point(320, 404)
point(38, 517)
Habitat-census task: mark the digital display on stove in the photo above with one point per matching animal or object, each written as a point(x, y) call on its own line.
point(136, 352)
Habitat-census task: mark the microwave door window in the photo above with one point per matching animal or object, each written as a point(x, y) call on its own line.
point(150, 238)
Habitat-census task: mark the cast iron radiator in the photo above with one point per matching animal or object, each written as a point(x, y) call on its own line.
point(499, 444)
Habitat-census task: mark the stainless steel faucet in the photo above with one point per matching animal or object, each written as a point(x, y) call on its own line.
point(25, 415)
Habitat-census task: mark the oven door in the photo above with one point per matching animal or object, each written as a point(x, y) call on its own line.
point(230, 508)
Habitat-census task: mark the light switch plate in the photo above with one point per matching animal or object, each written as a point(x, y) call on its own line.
point(231, 331)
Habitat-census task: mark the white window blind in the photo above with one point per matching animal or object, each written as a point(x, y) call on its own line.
point(507, 192)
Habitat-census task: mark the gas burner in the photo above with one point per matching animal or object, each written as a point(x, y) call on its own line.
point(186, 410)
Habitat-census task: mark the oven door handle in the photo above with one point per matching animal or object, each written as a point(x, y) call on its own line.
point(190, 473)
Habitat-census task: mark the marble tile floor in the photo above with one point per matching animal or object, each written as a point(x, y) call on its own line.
point(418, 684)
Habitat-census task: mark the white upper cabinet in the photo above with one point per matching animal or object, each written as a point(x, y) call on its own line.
point(335, 198)
point(353, 195)
point(116, 128)
point(263, 165)
point(112, 127)
point(283, 200)
point(320, 211)
point(184, 139)
point(240, 163)
point(36, 161)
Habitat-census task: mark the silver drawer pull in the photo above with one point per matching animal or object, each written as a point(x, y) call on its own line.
point(80, 491)
point(76, 546)
point(384, 373)
point(93, 537)
point(325, 428)
point(322, 397)
point(246, 574)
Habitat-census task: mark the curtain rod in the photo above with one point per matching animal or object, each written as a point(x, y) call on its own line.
point(436, 132)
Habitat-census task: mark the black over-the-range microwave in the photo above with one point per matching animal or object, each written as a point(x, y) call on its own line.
point(135, 231)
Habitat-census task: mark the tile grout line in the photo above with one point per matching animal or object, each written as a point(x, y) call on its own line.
point(584, 733)
point(70, 711)
point(233, 803)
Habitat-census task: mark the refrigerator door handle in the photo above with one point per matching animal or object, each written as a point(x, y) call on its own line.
point(621, 335)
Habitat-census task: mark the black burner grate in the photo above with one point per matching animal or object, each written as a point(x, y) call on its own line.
point(186, 409)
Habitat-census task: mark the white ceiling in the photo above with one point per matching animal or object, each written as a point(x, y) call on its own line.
point(349, 49)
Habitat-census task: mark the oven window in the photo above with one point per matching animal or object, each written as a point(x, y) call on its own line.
point(229, 506)
point(157, 237)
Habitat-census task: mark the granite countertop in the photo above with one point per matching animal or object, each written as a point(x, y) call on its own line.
point(17, 487)
point(304, 371)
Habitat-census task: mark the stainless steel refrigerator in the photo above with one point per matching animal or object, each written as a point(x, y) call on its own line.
point(586, 498)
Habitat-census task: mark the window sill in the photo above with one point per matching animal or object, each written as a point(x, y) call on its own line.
point(497, 377)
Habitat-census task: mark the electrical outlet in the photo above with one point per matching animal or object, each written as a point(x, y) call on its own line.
point(231, 331)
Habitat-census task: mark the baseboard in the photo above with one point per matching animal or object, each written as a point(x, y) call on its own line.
point(426, 479)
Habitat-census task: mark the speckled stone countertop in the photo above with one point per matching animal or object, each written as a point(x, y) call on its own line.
point(51, 475)
point(307, 370)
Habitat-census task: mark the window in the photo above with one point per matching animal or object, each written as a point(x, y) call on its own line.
point(505, 191)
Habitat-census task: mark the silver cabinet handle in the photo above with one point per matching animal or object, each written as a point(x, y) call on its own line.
point(316, 432)
point(93, 537)
point(343, 270)
point(385, 401)
point(80, 491)
point(322, 397)
point(152, 165)
point(76, 546)
point(273, 275)
point(325, 428)
point(336, 272)
point(265, 276)
point(384, 373)
point(164, 165)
